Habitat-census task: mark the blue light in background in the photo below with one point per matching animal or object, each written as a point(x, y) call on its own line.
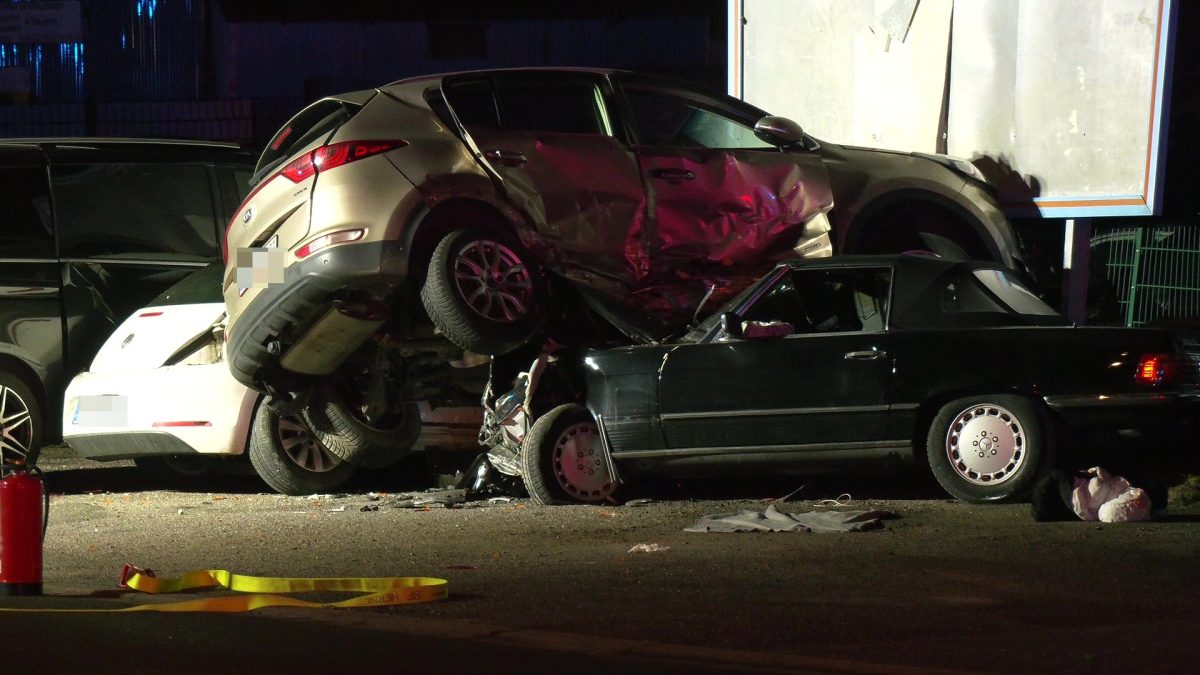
point(147, 7)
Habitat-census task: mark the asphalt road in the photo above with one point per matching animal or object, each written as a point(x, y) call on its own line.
point(944, 586)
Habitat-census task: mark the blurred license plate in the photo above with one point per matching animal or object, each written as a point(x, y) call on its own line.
point(260, 266)
point(108, 410)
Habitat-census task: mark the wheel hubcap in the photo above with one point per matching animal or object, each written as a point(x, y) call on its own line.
point(986, 444)
point(579, 464)
point(16, 424)
point(493, 280)
point(300, 447)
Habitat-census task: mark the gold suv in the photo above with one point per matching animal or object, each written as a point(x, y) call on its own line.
point(390, 230)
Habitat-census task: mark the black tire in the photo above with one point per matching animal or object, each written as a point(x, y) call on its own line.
point(20, 419)
point(549, 479)
point(289, 459)
point(335, 425)
point(477, 312)
point(1002, 464)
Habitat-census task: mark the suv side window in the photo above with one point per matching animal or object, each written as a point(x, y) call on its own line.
point(25, 221)
point(664, 120)
point(473, 102)
point(563, 104)
point(128, 209)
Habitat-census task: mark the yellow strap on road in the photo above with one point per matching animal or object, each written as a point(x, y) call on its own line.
point(260, 591)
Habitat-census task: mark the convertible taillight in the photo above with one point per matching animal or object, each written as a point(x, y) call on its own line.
point(1155, 369)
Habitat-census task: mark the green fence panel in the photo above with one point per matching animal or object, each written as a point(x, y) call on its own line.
point(1154, 272)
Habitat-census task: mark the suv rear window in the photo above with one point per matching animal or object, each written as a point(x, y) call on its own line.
point(311, 123)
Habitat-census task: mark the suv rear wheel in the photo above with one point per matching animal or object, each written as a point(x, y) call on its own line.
point(484, 291)
point(362, 429)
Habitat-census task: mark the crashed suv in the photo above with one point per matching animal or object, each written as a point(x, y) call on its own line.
point(392, 230)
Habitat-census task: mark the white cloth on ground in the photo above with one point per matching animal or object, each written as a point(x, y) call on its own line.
point(1108, 498)
point(774, 520)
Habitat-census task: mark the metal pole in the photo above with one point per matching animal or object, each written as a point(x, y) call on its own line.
point(1077, 250)
point(1134, 273)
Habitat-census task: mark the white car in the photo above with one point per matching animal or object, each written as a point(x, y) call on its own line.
point(159, 392)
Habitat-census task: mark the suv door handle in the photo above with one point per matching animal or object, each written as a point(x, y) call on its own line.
point(672, 174)
point(866, 355)
point(506, 157)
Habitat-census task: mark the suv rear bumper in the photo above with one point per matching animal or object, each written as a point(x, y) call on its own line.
point(283, 312)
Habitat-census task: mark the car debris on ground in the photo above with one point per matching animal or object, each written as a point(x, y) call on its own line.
point(772, 519)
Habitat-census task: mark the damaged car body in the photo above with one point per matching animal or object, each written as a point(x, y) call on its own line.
point(393, 230)
point(885, 361)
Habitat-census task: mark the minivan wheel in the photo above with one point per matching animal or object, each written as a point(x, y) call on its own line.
point(341, 424)
point(987, 448)
point(562, 459)
point(20, 419)
point(289, 459)
point(484, 291)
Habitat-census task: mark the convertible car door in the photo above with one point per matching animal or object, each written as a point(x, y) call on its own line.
point(550, 139)
point(822, 388)
point(721, 200)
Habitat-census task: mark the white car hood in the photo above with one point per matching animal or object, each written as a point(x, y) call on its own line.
point(151, 335)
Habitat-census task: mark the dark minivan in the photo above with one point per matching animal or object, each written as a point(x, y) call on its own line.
point(91, 230)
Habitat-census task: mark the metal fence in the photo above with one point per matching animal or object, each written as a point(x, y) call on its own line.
point(1153, 272)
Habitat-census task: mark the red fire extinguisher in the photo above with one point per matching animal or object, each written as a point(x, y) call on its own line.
point(22, 526)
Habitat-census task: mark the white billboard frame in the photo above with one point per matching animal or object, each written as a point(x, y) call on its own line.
point(1146, 202)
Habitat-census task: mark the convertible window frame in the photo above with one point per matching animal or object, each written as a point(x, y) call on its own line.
point(710, 331)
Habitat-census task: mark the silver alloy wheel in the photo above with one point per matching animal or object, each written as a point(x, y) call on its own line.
point(493, 280)
point(302, 448)
point(579, 464)
point(16, 424)
point(986, 444)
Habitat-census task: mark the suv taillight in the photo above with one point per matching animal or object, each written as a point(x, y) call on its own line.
point(332, 156)
point(311, 163)
point(1155, 369)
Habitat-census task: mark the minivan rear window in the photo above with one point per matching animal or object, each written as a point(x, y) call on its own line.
point(25, 214)
point(124, 210)
point(317, 120)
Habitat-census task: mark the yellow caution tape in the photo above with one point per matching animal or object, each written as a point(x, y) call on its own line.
point(260, 591)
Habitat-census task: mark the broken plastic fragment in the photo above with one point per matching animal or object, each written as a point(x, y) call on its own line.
point(648, 548)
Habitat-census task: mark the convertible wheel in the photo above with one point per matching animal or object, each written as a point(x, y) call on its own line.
point(562, 459)
point(484, 291)
point(355, 434)
point(987, 448)
point(20, 419)
point(289, 459)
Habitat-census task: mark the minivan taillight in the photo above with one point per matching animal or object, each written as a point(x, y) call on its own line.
point(1155, 369)
point(311, 163)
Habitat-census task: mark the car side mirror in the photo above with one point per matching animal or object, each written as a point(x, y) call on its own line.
point(779, 130)
point(731, 325)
